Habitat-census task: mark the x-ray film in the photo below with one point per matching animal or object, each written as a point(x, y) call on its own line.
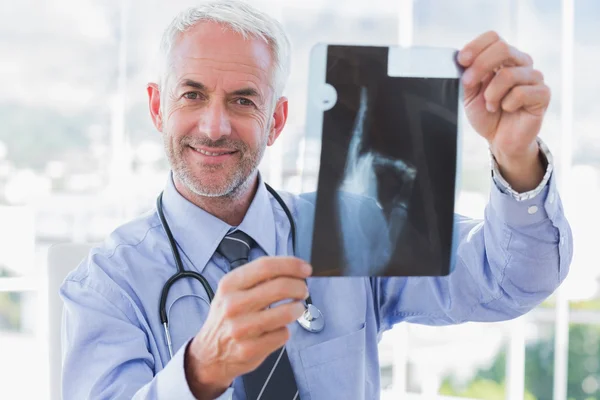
point(385, 121)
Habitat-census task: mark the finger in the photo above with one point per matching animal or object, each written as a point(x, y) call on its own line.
point(263, 269)
point(255, 324)
point(261, 296)
point(471, 50)
point(472, 92)
point(507, 78)
point(256, 350)
point(534, 99)
point(494, 57)
point(266, 293)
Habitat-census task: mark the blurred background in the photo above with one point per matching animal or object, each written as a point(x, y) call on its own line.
point(79, 156)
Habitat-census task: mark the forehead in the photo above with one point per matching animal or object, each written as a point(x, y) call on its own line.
point(211, 51)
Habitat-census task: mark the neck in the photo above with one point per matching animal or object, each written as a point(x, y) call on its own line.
point(231, 208)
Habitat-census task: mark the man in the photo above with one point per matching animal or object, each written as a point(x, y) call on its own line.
point(218, 106)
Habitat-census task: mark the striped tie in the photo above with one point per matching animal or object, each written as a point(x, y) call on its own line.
point(274, 378)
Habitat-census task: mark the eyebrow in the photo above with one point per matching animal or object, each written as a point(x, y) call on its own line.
point(193, 84)
point(248, 91)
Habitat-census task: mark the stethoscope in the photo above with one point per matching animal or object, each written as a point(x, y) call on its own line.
point(312, 319)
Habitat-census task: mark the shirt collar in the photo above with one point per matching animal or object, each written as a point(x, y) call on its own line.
point(259, 221)
point(199, 233)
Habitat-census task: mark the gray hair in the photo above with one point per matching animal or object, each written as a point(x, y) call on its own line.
point(241, 18)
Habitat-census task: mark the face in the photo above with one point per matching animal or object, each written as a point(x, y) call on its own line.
point(217, 111)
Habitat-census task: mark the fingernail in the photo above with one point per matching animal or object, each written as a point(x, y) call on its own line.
point(307, 269)
point(490, 107)
point(465, 56)
point(468, 77)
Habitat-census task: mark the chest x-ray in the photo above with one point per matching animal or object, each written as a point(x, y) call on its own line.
point(387, 122)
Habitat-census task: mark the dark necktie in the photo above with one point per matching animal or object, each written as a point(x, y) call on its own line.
point(274, 378)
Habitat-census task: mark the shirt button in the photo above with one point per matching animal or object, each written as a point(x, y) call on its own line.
point(551, 198)
point(532, 210)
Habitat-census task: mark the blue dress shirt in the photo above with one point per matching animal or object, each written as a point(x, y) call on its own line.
point(114, 345)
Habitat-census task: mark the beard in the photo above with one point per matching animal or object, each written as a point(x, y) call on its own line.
point(214, 180)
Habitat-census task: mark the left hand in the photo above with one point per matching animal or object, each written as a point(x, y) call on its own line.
point(505, 101)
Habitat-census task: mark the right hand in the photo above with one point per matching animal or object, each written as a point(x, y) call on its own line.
point(240, 330)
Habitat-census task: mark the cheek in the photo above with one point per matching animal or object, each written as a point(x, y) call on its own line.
point(261, 122)
point(178, 121)
point(251, 131)
point(259, 117)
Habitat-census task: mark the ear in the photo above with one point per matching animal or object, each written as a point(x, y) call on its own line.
point(280, 115)
point(154, 103)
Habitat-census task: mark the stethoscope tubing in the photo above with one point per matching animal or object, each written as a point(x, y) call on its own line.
point(182, 273)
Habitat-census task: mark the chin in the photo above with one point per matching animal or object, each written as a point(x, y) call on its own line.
point(217, 185)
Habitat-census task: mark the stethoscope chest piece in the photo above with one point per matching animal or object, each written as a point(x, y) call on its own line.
point(312, 320)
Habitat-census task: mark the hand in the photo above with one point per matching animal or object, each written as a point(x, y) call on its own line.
point(240, 331)
point(505, 101)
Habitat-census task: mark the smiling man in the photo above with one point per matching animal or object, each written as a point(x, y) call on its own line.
point(219, 105)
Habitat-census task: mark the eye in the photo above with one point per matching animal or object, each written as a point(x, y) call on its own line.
point(244, 102)
point(191, 95)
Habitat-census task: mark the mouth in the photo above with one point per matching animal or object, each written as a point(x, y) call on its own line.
point(213, 152)
point(213, 156)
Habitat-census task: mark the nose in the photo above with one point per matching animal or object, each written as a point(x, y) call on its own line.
point(214, 121)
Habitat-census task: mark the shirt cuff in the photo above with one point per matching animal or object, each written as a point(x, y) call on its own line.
point(173, 384)
point(528, 211)
point(505, 187)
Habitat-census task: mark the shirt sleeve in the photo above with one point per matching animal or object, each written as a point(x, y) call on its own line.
point(505, 265)
point(172, 380)
point(105, 352)
point(505, 187)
